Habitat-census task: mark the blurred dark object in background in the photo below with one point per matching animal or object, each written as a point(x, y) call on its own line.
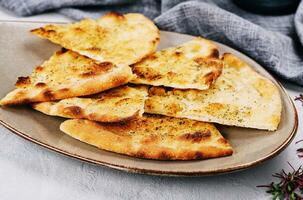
point(269, 7)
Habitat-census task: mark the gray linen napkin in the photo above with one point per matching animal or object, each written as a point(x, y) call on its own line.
point(274, 41)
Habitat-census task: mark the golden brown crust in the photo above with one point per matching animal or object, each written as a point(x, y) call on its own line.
point(194, 64)
point(116, 105)
point(196, 137)
point(152, 137)
point(240, 97)
point(73, 111)
point(97, 69)
point(67, 74)
point(23, 81)
point(105, 39)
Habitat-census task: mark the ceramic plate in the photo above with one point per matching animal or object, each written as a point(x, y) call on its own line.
point(20, 52)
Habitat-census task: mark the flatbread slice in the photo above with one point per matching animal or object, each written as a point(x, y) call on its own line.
point(67, 74)
point(152, 137)
point(240, 97)
point(117, 38)
point(115, 105)
point(194, 64)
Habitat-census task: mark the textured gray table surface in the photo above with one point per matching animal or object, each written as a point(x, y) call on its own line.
point(28, 171)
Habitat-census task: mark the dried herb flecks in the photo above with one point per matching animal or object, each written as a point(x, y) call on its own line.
point(289, 187)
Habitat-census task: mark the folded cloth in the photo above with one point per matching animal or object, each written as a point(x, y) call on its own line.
point(273, 41)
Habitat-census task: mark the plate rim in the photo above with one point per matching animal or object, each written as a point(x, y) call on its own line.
point(274, 153)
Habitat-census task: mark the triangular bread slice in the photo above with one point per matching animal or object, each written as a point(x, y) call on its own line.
point(117, 38)
point(240, 97)
point(152, 137)
point(67, 74)
point(115, 105)
point(192, 65)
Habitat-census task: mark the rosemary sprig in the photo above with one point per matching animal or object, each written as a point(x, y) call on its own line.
point(290, 186)
point(299, 98)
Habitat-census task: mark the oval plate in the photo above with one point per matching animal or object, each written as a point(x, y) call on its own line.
point(20, 52)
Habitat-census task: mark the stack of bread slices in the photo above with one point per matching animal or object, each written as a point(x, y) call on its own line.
point(122, 95)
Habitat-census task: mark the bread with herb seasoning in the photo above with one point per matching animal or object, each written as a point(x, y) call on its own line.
point(120, 39)
point(115, 105)
point(67, 74)
point(194, 64)
point(152, 137)
point(240, 97)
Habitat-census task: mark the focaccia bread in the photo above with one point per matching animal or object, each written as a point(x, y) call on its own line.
point(192, 65)
point(240, 97)
point(117, 38)
point(67, 74)
point(115, 105)
point(152, 137)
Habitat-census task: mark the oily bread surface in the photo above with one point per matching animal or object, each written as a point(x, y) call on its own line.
point(240, 97)
point(194, 64)
point(67, 74)
point(115, 105)
point(152, 137)
point(117, 38)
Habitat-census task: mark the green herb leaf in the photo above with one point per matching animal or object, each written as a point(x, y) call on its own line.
point(290, 185)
